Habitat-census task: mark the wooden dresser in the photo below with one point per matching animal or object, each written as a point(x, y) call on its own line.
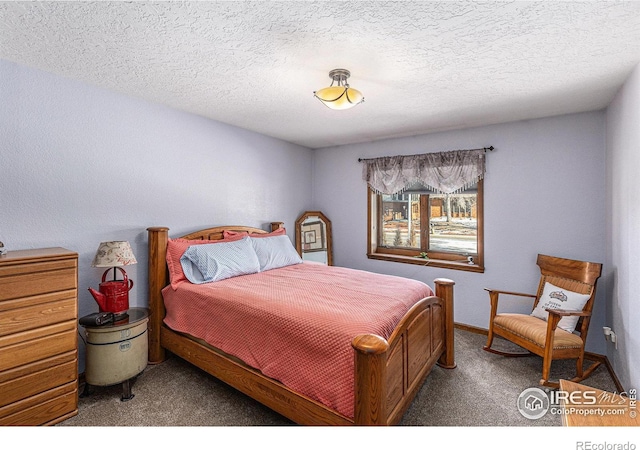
point(38, 336)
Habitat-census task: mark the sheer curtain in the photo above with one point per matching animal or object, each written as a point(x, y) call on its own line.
point(444, 172)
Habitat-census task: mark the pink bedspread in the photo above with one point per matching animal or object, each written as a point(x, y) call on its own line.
point(295, 324)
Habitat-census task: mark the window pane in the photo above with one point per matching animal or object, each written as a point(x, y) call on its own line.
point(401, 221)
point(453, 225)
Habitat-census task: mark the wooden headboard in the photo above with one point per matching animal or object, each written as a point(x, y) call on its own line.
point(159, 274)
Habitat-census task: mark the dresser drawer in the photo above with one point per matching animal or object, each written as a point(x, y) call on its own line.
point(46, 408)
point(27, 315)
point(33, 379)
point(38, 278)
point(34, 345)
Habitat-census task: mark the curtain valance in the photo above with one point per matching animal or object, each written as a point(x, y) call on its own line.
point(444, 172)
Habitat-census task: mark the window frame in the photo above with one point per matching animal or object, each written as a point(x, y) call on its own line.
point(447, 260)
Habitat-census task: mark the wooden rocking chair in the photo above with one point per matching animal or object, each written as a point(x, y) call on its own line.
point(562, 282)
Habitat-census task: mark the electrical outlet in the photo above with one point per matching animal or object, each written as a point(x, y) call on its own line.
point(610, 335)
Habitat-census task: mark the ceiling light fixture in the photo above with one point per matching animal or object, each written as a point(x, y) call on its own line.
point(340, 96)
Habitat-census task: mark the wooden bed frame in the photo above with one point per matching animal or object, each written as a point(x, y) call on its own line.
point(388, 373)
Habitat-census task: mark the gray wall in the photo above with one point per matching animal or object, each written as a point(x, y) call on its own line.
point(623, 219)
point(80, 165)
point(544, 193)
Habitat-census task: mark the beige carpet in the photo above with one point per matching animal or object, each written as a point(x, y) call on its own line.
point(481, 391)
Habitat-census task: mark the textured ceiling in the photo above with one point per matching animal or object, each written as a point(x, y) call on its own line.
point(422, 66)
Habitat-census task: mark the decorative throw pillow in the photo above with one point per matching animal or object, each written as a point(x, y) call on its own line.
point(554, 297)
point(214, 262)
point(275, 252)
point(228, 234)
point(175, 250)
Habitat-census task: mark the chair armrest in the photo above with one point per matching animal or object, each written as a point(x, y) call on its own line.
point(509, 293)
point(493, 297)
point(568, 312)
point(555, 315)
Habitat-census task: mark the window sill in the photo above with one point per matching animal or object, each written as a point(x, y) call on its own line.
point(427, 262)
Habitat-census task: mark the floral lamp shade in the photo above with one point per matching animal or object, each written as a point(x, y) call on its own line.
point(114, 254)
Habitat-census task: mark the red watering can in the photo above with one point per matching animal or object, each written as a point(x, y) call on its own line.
point(114, 295)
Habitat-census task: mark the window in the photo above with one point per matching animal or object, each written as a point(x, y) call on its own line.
point(427, 209)
point(440, 230)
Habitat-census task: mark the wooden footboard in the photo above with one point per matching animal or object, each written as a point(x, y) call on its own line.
point(388, 374)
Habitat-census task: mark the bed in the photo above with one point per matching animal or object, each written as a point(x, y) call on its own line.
point(386, 372)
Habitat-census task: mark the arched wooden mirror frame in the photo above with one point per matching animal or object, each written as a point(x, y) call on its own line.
point(327, 234)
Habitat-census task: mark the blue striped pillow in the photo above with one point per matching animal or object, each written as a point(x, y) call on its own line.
point(214, 262)
point(275, 252)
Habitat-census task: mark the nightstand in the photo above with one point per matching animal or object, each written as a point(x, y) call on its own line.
point(117, 352)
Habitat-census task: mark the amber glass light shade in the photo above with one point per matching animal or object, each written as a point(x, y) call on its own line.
point(339, 95)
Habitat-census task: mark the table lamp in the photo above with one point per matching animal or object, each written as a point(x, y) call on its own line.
point(113, 296)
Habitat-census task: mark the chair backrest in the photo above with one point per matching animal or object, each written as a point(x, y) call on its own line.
point(572, 275)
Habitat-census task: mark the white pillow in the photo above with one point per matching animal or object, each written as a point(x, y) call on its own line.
point(554, 297)
point(214, 262)
point(275, 252)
